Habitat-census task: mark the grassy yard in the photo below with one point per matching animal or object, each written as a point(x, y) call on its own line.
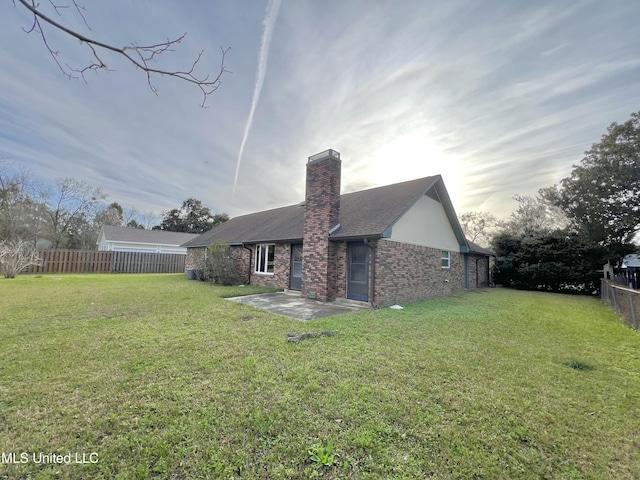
point(154, 376)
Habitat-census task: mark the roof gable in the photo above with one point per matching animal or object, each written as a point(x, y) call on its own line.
point(369, 213)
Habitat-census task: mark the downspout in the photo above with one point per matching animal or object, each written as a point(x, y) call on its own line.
point(250, 253)
point(373, 273)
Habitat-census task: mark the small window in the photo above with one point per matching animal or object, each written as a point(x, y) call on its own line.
point(446, 260)
point(265, 255)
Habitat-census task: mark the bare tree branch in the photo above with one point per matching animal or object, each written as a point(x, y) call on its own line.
point(16, 256)
point(141, 56)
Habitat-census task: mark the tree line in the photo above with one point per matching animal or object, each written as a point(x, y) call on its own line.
point(69, 213)
point(559, 240)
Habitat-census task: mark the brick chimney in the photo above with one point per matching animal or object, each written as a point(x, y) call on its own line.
point(321, 214)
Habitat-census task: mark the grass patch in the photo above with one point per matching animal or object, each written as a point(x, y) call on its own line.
point(162, 378)
point(579, 365)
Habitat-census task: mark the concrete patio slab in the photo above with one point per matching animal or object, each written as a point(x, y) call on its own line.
point(291, 304)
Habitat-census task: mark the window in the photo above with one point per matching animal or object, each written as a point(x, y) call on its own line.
point(264, 258)
point(446, 260)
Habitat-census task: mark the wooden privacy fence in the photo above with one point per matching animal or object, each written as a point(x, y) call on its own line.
point(80, 261)
point(137, 262)
point(624, 301)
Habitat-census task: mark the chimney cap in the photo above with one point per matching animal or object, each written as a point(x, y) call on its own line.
point(324, 155)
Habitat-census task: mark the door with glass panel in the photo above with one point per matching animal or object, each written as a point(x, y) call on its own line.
point(358, 271)
point(295, 282)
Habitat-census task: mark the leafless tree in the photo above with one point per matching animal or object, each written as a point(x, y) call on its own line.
point(69, 202)
point(143, 57)
point(17, 255)
point(479, 227)
point(112, 214)
point(132, 218)
point(535, 214)
point(21, 216)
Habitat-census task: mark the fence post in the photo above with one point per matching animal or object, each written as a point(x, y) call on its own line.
point(633, 313)
point(611, 293)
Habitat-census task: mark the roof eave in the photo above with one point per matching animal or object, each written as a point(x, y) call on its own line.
point(271, 240)
point(249, 242)
point(144, 243)
point(347, 238)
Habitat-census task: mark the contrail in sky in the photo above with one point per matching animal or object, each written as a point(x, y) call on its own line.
point(268, 22)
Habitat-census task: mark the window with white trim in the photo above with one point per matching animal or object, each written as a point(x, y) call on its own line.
point(446, 259)
point(265, 253)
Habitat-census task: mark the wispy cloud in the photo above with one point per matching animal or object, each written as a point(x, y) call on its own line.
point(498, 97)
point(269, 22)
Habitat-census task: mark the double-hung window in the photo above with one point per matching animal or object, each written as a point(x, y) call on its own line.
point(446, 259)
point(265, 253)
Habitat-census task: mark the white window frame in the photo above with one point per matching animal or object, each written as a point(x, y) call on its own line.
point(261, 265)
point(445, 257)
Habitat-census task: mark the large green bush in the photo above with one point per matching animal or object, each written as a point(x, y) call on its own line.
point(557, 261)
point(220, 266)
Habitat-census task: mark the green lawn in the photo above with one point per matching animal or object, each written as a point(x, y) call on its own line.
point(159, 377)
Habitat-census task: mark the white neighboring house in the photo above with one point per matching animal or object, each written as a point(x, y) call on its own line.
point(631, 260)
point(123, 239)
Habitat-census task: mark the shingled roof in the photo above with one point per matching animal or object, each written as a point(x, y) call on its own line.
point(364, 214)
point(139, 235)
point(475, 248)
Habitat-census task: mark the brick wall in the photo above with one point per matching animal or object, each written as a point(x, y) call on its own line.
point(484, 278)
point(478, 270)
point(339, 269)
point(281, 268)
point(322, 210)
point(242, 257)
point(405, 273)
point(195, 258)
point(196, 255)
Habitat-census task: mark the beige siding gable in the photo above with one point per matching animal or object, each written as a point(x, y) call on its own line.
point(426, 223)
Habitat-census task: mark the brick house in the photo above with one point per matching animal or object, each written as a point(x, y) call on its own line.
point(385, 245)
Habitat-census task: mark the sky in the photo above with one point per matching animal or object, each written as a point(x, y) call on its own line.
point(499, 97)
